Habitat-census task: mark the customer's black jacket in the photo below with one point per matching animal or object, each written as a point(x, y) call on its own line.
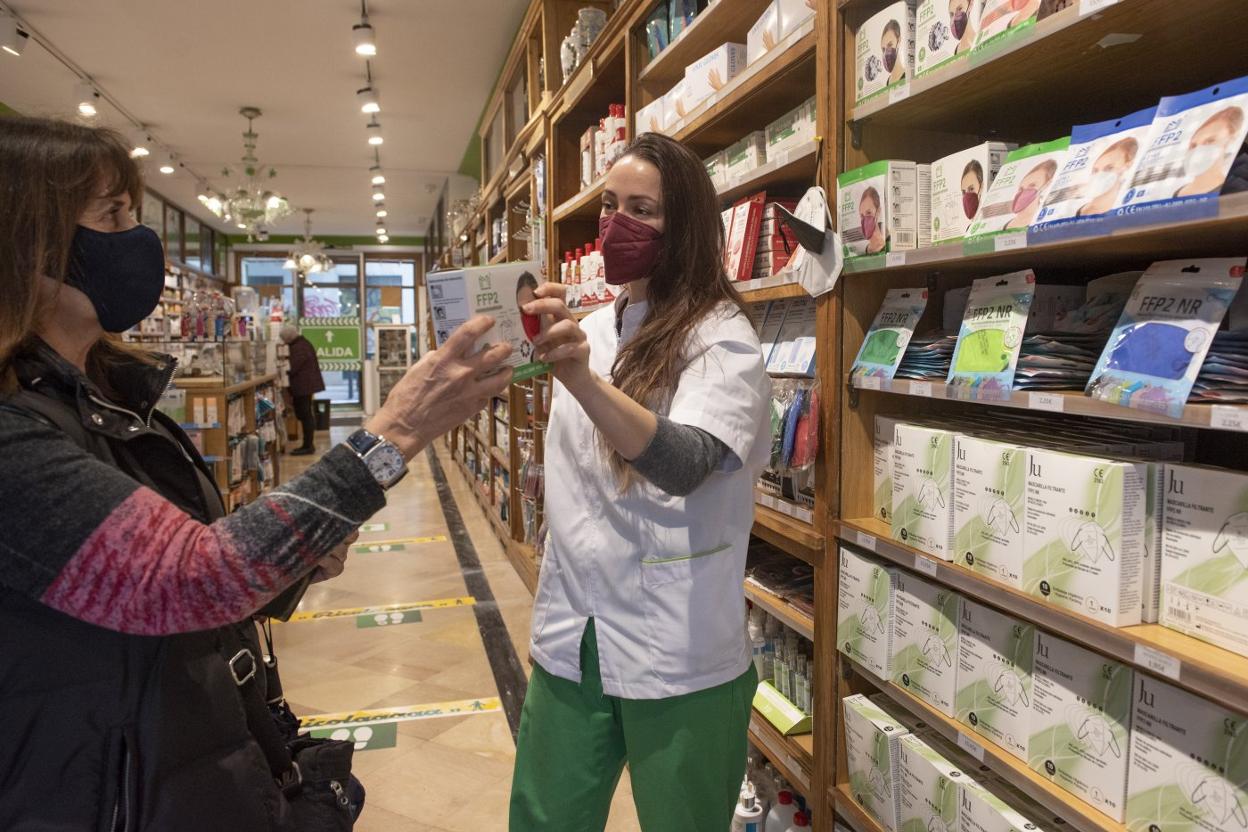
point(109, 728)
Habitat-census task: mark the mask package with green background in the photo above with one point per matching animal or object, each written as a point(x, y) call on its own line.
point(925, 640)
point(1188, 764)
point(890, 333)
point(930, 781)
point(1204, 559)
point(1081, 723)
point(995, 655)
point(882, 448)
point(995, 806)
point(872, 736)
point(991, 336)
point(1086, 521)
point(922, 489)
point(864, 622)
point(989, 485)
point(1017, 193)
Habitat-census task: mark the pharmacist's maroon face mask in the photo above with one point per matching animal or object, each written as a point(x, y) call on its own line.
point(630, 248)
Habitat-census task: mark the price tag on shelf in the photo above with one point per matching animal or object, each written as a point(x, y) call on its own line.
point(925, 565)
point(895, 258)
point(869, 383)
point(1087, 7)
point(1156, 661)
point(1012, 241)
point(1053, 402)
point(970, 747)
point(899, 94)
point(921, 388)
point(1225, 417)
point(866, 541)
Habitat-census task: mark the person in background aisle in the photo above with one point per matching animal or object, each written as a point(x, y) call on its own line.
point(658, 430)
point(122, 582)
point(305, 382)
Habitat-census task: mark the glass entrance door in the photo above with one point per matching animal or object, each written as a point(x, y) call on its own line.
point(330, 314)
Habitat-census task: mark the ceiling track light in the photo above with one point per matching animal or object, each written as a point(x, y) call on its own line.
point(383, 238)
point(169, 165)
point(12, 37)
point(369, 100)
point(85, 99)
point(379, 178)
point(382, 212)
point(374, 133)
point(140, 143)
point(364, 38)
point(381, 231)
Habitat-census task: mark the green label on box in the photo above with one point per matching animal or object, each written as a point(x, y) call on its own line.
point(366, 737)
point(787, 718)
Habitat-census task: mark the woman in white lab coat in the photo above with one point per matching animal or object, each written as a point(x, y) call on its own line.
point(658, 431)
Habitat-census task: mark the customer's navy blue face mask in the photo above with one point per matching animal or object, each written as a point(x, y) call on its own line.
point(122, 273)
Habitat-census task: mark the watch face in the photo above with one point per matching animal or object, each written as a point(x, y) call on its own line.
point(386, 464)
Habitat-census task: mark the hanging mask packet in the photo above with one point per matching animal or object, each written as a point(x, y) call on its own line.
point(498, 291)
point(1094, 175)
point(1188, 151)
point(1019, 190)
point(884, 50)
point(1157, 348)
point(817, 263)
point(991, 335)
point(890, 333)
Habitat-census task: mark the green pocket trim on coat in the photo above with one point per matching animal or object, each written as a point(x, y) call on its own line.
point(694, 556)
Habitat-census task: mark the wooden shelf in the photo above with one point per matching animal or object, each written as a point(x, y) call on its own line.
point(795, 166)
point(1115, 242)
point(793, 757)
point(500, 457)
point(1021, 91)
point(192, 385)
point(763, 289)
point(584, 205)
point(849, 810)
point(524, 560)
point(718, 24)
point(1077, 814)
point(518, 188)
point(1202, 668)
point(793, 618)
point(766, 90)
point(1218, 417)
point(501, 257)
point(602, 52)
point(801, 540)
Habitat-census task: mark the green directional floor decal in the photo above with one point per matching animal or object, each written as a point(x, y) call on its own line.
point(399, 544)
point(387, 619)
point(375, 527)
point(365, 737)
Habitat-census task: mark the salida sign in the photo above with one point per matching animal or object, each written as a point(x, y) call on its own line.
point(336, 340)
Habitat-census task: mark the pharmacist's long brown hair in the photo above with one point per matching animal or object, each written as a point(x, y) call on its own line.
point(49, 172)
point(689, 281)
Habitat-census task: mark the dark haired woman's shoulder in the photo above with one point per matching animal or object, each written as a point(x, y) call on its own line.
point(727, 323)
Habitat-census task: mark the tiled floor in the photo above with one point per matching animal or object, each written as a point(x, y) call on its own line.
point(450, 774)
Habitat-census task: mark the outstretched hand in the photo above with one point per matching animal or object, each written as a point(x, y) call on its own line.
point(562, 343)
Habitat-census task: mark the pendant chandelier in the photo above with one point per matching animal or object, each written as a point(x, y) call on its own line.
point(250, 205)
point(308, 256)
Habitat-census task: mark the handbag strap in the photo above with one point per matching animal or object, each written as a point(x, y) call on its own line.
point(242, 651)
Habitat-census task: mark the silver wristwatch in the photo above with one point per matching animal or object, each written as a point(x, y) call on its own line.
point(383, 458)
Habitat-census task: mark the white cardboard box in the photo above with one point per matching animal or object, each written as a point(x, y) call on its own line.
point(872, 737)
point(746, 155)
point(651, 118)
point(923, 489)
point(882, 448)
point(793, 13)
point(864, 622)
point(926, 617)
point(995, 655)
point(1081, 723)
point(939, 36)
point(884, 50)
point(989, 486)
point(959, 181)
point(1085, 531)
point(930, 785)
point(764, 34)
point(878, 207)
point(707, 75)
point(1204, 555)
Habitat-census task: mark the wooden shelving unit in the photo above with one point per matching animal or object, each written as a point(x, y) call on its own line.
point(794, 756)
point(719, 24)
point(792, 617)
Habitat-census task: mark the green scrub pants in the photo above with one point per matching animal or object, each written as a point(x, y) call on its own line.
point(686, 754)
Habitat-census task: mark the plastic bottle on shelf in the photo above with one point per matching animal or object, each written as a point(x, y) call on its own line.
point(600, 149)
point(575, 273)
point(565, 267)
point(748, 816)
point(590, 291)
point(800, 821)
point(757, 641)
point(600, 274)
point(782, 813)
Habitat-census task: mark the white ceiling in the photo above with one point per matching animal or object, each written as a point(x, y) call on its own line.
point(185, 68)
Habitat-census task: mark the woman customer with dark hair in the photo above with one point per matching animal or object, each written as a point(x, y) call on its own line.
point(657, 432)
point(121, 581)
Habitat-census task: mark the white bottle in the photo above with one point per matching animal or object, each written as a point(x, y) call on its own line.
point(757, 642)
point(780, 818)
point(800, 822)
point(748, 816)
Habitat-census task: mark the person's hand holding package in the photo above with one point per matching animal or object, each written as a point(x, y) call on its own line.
point(443, 389)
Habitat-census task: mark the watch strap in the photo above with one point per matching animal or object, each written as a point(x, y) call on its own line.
point(361, 441)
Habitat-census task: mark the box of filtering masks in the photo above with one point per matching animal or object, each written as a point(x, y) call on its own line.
point(1188, 765)
point(994, 676)
point(989, 486)
point(882, 448)
point(944, 31)
point(1204, 555)
point(1085, 531)
point(926, 617)
point(864, 620)
point(923, 489)
point(884, 50)
point(929, 785)
point(1081, 723)
point(872, 738)
point(878, 207)
point(959, 182)
point(991, 806)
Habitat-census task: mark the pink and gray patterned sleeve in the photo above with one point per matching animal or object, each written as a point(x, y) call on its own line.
point(85, 539)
